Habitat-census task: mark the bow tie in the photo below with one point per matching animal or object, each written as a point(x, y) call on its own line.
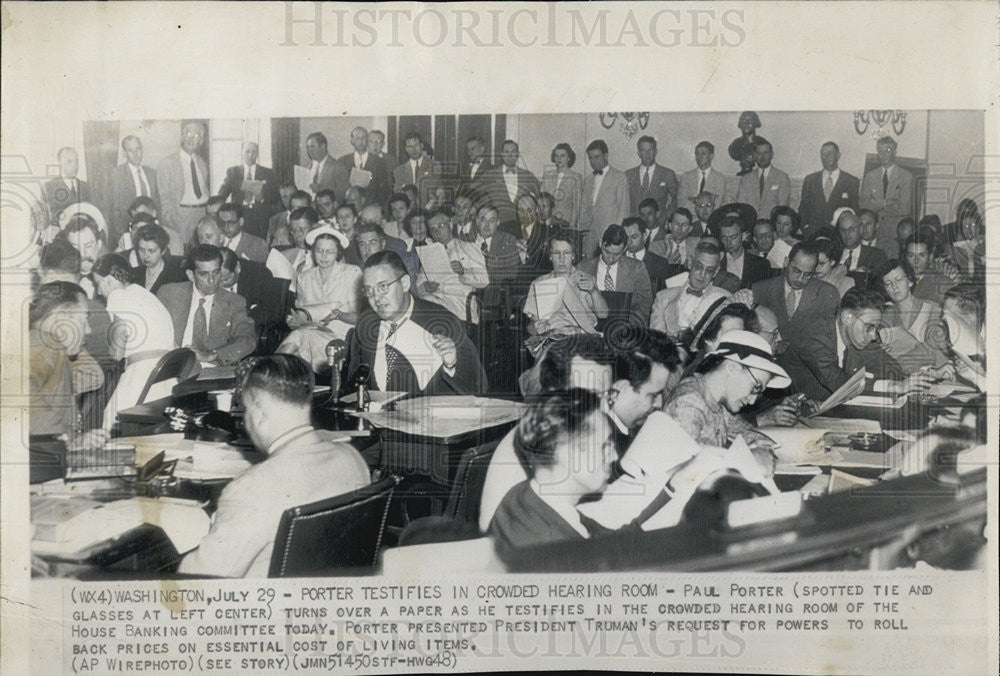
point(694, 292)
point(598, 172)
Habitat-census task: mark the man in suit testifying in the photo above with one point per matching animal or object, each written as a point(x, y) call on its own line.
point(207, 318)
point(127, 181)
point(377, 190)
point(325, 172)
point(258, 206)
point(823, 192)
point(650, 179)
point(604, 200)
point(766, 186)
point(703, 178)
point(67, 188)
point(182, 179)
point(615, 272)
point(505, 184)
point(888, 191)
point(409, 344)
point(657, 267)
point(415, 166)
point(801, 303)
point(243, 244)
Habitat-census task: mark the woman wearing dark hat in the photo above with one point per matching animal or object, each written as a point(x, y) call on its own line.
point(732, 376)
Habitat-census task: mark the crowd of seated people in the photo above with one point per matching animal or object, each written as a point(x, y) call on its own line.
point(745, 308)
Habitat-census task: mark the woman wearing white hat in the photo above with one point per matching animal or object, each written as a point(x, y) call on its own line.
point(329, 296)
point(731, 376)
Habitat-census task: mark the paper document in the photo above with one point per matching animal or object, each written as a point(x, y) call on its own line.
point(361, 178)
point(877, 401)
point(845, 425)
point(254, 188)
point(303, 179)
point(435, 263)
point(854, 386)
point(802, 445)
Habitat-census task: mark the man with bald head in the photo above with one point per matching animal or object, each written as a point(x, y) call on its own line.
point(127, 181)
point(376, 181)
point(182, 179)
point(253, 187)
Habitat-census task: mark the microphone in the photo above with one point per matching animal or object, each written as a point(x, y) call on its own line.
point(360, 382)
point(335, 351)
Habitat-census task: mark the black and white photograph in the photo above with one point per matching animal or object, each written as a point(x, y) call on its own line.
point(367, 378)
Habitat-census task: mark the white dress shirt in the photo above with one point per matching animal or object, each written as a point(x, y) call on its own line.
point(735, 265)
point(510, 180)
point(360, 159)
point(602, 271)
point(638, 255)
point(598, 179)
point(187, 338)
point(139, 178)
point(317, 168)
point(189, 198)
point(231, 244)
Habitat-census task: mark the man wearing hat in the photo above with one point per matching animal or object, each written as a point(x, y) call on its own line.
point(732, 376)
point(729, 223)
point(765, 187)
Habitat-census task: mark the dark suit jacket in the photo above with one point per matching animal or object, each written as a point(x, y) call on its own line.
point(660, 270)
point(537, 261)
point(58, 196)
point(811, 362)
point(122, 192)
point(256, 285)
point(817, 305)
point(334, 177)
point(503, 262)
point(469, 378)
point(231, 332)
point(172, 273)
point(728, 281)
point(663, 187)
point(870, 259)
point(402, 175)
point(495, 190)
point(251, 247)
point(814, 209)
point(377, 191)
point(755, 269)
point(232, 186)
point(631, 278)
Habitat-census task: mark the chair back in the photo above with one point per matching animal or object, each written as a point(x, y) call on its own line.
point(470, 477)
point(344, 531)
point(180, 363)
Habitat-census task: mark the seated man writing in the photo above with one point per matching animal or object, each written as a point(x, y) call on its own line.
point(410, 344)
point(300, 468)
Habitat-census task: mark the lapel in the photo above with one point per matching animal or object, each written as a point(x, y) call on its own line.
point(180, 319)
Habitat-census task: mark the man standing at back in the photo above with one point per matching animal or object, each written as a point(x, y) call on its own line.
point(507, 183)
point(415, 166)
point(67, 188)
point(182, 179)
point(127, 181)
point(377, 190)
point(255, 188)
point(605, 197)
point(764, 187)
point(823, 192)
point(703, 178)
point(888, 191)
point(651, 179)
point(301, 467)
point(325, 172)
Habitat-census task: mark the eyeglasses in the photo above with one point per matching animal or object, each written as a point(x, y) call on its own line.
point(758, 386)
point(379, 289)
point(869, 329)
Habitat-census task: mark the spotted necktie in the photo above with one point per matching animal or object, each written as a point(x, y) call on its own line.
point(391, 354)
point(609, 282)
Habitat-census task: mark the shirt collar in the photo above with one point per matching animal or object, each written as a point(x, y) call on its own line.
point(287, 437)
point(185, 156)
point(406, 315)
